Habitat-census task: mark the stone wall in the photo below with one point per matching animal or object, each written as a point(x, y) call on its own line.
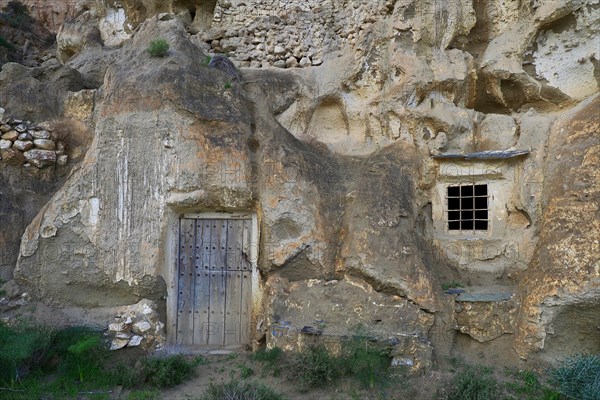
point(27, 144)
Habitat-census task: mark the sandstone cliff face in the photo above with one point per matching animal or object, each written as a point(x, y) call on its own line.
point(343, 140)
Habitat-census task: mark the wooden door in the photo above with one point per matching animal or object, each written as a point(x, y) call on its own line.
point(214, 282)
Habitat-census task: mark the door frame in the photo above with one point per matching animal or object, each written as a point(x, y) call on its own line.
point(172, 255)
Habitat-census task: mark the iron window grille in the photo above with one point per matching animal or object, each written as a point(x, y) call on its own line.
point(467, 207)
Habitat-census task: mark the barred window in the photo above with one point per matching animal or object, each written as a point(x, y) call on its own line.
point(468, 208)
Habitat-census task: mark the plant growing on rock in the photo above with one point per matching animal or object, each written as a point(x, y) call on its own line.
point(158, 47)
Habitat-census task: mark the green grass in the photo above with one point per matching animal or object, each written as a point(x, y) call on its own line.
point(526, 385)
point(39, 362)
point(144, 395)
point(22, 350)
point(158, 47)
point(472, 382)
point(241, 390)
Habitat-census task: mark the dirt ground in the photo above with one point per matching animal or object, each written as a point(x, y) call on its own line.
point(223, 368)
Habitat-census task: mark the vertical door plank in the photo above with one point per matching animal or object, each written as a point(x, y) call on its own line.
point(246, 245)
point(185, 299)
point(246, 306)
point(233, 307)
point(234, 244)
point(201, 285)
point(217, 281)
point(234, 282)
point(246, 292)
point(204, 285)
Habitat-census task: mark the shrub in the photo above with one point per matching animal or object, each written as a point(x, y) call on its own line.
point(158, 47)
point(472, 383)
point(245, 371)
point(578, 377)
point(270, 358)
point(315, 366)
point(366, 361)
point(164, 372)
point(244, 390)
point(125, 376)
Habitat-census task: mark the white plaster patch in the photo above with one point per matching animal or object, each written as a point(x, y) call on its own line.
point(112, 27)
point(94, 211)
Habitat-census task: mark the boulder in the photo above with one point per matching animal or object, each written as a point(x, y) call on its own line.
point(41, 134)
point(41, 158)
point(12, 156)
point(11, 135)
point(23, 145)
point(5, 144)
point(44, 144)
point(25, 136)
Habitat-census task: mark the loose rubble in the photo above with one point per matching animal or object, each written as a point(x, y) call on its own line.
point(137, 325)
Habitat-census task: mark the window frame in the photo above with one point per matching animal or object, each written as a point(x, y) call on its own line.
point(460, 210)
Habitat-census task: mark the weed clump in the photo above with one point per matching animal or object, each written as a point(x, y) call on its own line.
point(244, 390)
point(578, 377)
point(368, 362)
point(271, 359)
point(315, 367)
point(472, 383)
point(158, 47)
point(165, 372)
